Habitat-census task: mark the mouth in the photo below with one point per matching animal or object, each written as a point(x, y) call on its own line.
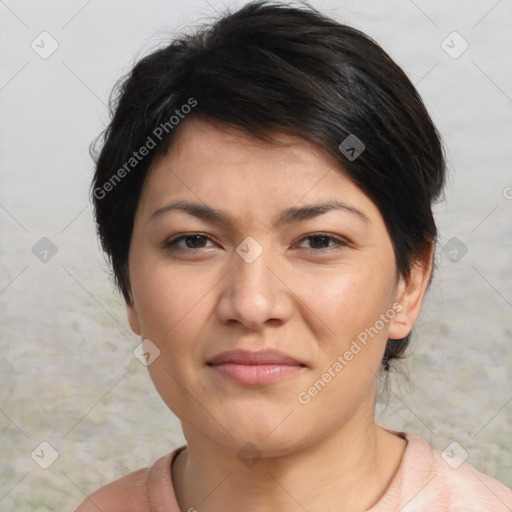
point(255, 368)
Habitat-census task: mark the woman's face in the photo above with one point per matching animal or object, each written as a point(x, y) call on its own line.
point(321, 300)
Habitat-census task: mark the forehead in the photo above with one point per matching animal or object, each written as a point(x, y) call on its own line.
point(207, 141)
point(216, 163)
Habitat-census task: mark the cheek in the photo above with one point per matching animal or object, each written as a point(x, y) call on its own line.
point(171, 300)
point(348, 301)
point(351, 350)
point(173, 307)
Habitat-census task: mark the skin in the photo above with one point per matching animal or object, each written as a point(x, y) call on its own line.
point(203, 299)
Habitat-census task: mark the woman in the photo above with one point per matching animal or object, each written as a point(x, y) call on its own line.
point(264, 195)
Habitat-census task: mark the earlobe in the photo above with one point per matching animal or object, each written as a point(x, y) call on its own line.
point(133, 317)
point(410, 294)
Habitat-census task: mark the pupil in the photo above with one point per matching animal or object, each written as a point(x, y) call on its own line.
point(194, 238)
point(321, 237)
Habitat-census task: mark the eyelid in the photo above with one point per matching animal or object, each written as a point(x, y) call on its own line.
point(340, 241)
point(170, 243)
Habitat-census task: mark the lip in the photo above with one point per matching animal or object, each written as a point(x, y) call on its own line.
point(255, 368)
point(255, 358)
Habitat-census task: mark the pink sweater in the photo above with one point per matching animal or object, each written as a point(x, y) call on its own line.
point(424, 482)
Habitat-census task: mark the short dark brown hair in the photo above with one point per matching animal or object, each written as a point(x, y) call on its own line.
point(275, 66)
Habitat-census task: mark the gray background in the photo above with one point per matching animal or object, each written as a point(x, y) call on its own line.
point(68, 374)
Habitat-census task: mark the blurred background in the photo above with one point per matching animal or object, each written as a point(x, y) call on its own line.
point(77, 408)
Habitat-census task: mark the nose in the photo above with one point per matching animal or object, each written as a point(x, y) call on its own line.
point(254, 293)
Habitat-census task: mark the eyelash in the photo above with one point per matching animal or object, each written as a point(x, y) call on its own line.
point(172, 244)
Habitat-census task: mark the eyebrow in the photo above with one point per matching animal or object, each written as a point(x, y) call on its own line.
point(288, 216)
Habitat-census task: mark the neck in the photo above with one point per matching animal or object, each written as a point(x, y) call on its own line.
point(347, 471)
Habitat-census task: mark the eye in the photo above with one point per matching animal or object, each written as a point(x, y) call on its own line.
point(323, 240)
point(192, 241)
point(320, 242)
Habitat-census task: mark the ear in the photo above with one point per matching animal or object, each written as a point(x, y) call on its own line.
point(410, 293)
point(133, 316)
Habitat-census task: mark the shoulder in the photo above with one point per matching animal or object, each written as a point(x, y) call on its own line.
point(139, 491)
point(449, 480)
point(126, 494)
point(466, 483)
